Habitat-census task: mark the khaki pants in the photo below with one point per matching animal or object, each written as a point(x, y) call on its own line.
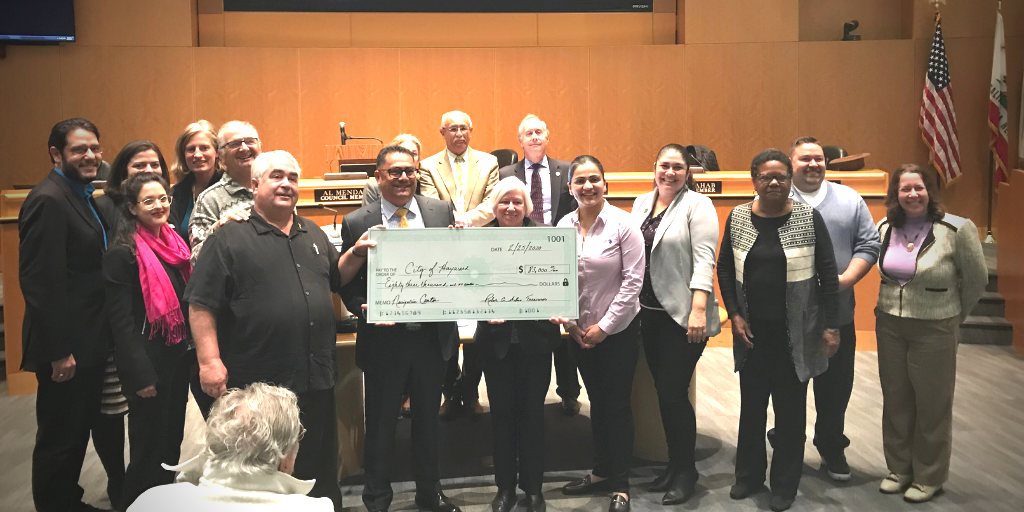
point(917, 371)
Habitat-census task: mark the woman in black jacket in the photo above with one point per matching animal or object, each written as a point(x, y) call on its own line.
point(145, 273)
point(197, 165)
point(516, 359)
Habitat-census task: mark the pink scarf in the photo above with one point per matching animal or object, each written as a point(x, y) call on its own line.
point(163, 309)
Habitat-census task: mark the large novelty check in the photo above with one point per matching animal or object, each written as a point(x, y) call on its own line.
point(436, 274)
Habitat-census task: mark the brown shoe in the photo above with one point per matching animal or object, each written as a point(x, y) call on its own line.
point(474, 409)
point(449, 409)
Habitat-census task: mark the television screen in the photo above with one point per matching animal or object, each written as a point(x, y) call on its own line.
point(440, 5)
point(37, 21)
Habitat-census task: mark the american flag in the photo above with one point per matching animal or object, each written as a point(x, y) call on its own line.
point(938, 120)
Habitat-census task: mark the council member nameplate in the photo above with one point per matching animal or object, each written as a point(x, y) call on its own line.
point(443, 274)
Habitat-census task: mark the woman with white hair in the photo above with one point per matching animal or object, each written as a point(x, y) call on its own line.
point(252, 438)
point(516, 360)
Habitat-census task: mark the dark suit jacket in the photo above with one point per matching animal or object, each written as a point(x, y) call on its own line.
point(59, 260)
point(562, 201)
point(535, 336)
point(436, 214)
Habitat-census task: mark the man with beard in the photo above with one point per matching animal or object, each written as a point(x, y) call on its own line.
point(65, 336)
point(547, 180)
point(855, 242)
point(261, 311)
point(230, 198)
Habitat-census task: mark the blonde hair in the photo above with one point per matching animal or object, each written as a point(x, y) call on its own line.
point(202, 126)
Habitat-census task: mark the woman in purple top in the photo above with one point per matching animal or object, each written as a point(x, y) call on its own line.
point(933, 273)
point(610, 259)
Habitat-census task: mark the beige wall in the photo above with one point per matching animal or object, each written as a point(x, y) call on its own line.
point(751, 74)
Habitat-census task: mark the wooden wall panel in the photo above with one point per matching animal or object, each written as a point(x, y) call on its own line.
point(551, 83)
point(1014, 77)
point(592, 29)
point(358, 86)
point(30, 104)
point(287, 29)
point(843, 104)
point(971, 18)
point(823, 21)
point(664, 28)
point(640, 99)
point(435, 81)
point(258, 85)
point(134, 23)
point(744, 98)
point(129, 92)
point(741, 21)
point(1011, 245)
point(211, 29)
point(443, 30)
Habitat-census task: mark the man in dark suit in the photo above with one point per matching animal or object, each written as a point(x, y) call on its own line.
point(389, 353)
point(65, 337)
point(547, 181)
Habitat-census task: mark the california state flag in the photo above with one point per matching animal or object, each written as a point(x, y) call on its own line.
point(997, 118)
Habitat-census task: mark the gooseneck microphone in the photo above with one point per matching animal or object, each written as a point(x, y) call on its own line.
point(345, 137)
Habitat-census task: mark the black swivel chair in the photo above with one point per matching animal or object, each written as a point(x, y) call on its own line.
point(702, 156)
point(832, 153)
point(505, 157)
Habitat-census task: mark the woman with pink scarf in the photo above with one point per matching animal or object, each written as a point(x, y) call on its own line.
point(146, 270)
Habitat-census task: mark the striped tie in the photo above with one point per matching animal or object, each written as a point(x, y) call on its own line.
point(536, 195)
point(403, 222)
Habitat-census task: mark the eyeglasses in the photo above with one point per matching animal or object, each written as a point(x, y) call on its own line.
point(81, 150)
point(768, 178)
point(302, 433)
point(237, 143)
point(150, 202)
point(397, 172)
point(456, 128)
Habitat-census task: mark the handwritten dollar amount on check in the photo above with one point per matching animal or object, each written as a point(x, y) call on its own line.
point(429, 275)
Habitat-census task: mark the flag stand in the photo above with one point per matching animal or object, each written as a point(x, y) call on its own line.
point(991, 185)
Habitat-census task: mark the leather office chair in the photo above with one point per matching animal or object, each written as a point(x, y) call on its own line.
point(505, 157)
point(831, 153)
point(702, 156)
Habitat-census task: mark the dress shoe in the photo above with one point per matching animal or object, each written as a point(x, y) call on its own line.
point(918, 493)
point(570, 406)
point(778, 503)
point(619, 504)
point(741, 490)
point(504, 501)
point(536, 503)
point(473, 409)
point(680, 490)
point(436, 502)
point(449, 409)
point(895, 484)
point(836, 466)
point(586, 486)
point(663, 482)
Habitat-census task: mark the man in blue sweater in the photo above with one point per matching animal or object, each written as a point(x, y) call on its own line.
point(855, 242)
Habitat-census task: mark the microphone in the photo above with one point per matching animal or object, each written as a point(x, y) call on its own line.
point(344, 136)
point(848, 28)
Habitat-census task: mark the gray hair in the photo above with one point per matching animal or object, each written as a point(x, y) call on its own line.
point(450, 117)
point(505, 186)
point(232, 124)
point(522, 126)
point(277, 159)
point(250, 430)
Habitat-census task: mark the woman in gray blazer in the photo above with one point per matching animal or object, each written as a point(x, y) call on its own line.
point(678, 308)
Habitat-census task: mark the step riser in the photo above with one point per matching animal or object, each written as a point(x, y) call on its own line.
point(993, 283)
point(982, 336)
point(997, 309)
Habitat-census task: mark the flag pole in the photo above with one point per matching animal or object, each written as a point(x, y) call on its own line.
point(989, 239)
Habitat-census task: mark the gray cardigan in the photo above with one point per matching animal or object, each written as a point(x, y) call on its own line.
point(683, 255)
point(950, 278)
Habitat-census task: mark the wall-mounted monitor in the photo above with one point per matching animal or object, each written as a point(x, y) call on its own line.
point(439, 5)
point(37, 21)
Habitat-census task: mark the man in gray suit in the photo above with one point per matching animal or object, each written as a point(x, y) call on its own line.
point(547, 180)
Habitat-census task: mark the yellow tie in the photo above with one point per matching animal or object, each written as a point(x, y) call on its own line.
point(460, 175)
point(403, 222)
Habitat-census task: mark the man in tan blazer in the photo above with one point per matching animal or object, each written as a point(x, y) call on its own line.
point(459, 174)
point(465, 178)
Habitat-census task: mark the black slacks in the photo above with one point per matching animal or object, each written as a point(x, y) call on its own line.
point(463, 385)
point(402, 355)
point(516, 387)
point(767, 375)
point(832, 391)
point(607, 371)
point(204, 401)
point(66, 413)
point(318, 449)
point(567, 382)
point(156, 427)
point(672, 360)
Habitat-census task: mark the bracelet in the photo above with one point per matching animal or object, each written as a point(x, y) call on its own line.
point(356, 254)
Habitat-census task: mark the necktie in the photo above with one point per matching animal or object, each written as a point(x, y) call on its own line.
point(403, 222)
point(536, 195)
point(460, 174)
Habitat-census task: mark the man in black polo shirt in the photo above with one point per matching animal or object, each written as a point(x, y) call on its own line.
point(390, 353)
point(260, 309)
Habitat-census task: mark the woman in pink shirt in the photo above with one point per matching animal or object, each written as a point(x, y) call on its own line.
point(610, 258)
